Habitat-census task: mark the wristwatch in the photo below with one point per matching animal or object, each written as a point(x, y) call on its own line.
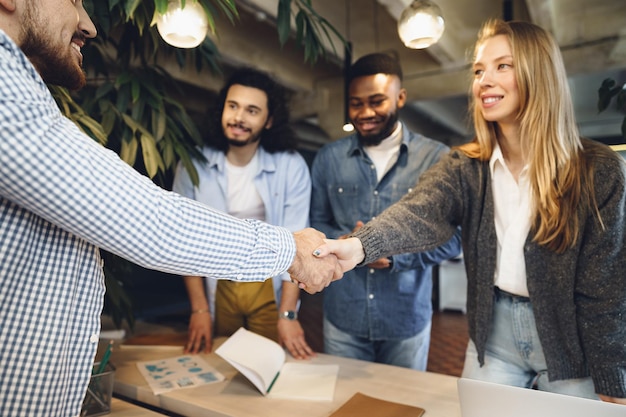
point(289, 315)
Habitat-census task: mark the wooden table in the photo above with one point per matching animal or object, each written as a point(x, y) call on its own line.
point(237, 397)
point(120, 408)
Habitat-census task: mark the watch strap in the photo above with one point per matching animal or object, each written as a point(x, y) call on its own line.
point(289, 315)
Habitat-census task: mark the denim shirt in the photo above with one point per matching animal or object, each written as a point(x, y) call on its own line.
point(386, 303)
point(283, 182)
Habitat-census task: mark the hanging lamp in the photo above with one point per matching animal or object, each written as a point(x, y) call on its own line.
point(421, 24)
point(183, 27)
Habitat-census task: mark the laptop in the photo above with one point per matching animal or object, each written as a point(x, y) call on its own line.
point(486, 399)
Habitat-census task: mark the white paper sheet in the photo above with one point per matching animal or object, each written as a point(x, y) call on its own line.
point(305, 381)
point(187, 371)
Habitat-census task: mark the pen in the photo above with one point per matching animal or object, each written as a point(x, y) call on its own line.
point(272, 384)
point(105, 358)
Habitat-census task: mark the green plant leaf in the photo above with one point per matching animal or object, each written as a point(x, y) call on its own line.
point(130, 7)
point(311, 28)
point(113, 4)
point(92, 128)
point(159, 122)
point(167, 152)
point(103, 90)
point(229, 9)
point(210, 13)
point(135, 90)
point(108, 119)
point(151, 157)
point(283, 20)
point(300, 22)
point(160, 6)
point(128, 153)
point(130, 122)
point(189, 166)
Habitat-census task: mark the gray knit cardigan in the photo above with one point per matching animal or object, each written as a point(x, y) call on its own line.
point(578, 297)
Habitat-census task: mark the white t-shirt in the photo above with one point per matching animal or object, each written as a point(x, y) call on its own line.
point(244, 201)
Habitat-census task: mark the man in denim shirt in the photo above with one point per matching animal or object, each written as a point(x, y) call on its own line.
point(382, 312)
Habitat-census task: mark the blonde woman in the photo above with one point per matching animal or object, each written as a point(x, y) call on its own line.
point(542, 213)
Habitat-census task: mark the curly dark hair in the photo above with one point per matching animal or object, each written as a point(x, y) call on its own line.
point(279, 137)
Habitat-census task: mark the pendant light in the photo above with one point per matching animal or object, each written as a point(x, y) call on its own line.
point(347, 62)
point(183, 27)
point(421, 24)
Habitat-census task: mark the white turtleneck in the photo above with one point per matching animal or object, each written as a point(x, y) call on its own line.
point(386, 153)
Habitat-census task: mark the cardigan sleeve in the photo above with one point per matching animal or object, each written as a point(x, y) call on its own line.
point(425, 218)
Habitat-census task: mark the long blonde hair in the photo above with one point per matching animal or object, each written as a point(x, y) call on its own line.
point(560, 178)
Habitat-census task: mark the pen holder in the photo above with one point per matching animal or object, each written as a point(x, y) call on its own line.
point(97, 400)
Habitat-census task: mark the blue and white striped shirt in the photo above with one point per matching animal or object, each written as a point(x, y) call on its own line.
point(62, 196)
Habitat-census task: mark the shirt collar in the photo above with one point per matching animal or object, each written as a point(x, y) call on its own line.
point(401, 130)
point(266, 161)
point(392, 141)
point(497, 157)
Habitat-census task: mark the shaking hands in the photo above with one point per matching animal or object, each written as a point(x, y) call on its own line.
point(320, 261)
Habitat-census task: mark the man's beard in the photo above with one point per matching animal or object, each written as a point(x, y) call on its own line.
point(240, 144)
point(54, 66)
point(376, 138)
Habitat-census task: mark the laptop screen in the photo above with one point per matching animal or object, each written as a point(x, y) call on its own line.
point(485, 399)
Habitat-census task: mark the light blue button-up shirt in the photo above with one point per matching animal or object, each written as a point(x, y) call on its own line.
point(282, 180)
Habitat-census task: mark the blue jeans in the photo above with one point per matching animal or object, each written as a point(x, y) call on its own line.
point(514, 355)
point(408, 353)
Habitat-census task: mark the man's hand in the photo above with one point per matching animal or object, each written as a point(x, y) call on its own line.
point(349, 252)
point(199, 340)
point(291, 336)
point(311, 273)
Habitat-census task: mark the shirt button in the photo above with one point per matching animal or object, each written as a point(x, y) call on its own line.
point(371, 271)
point(240, 276)
point(371, 296)
point(375, 192)
point(372, 166)
point(410, 189)
point(94, 338)
point(340, 190)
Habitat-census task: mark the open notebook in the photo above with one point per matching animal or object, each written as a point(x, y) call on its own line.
point(485, 399)
point(262, 361)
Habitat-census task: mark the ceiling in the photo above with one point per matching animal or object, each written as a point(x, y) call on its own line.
point(591, 33)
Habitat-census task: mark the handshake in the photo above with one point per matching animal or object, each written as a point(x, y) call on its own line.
point(320, 261)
